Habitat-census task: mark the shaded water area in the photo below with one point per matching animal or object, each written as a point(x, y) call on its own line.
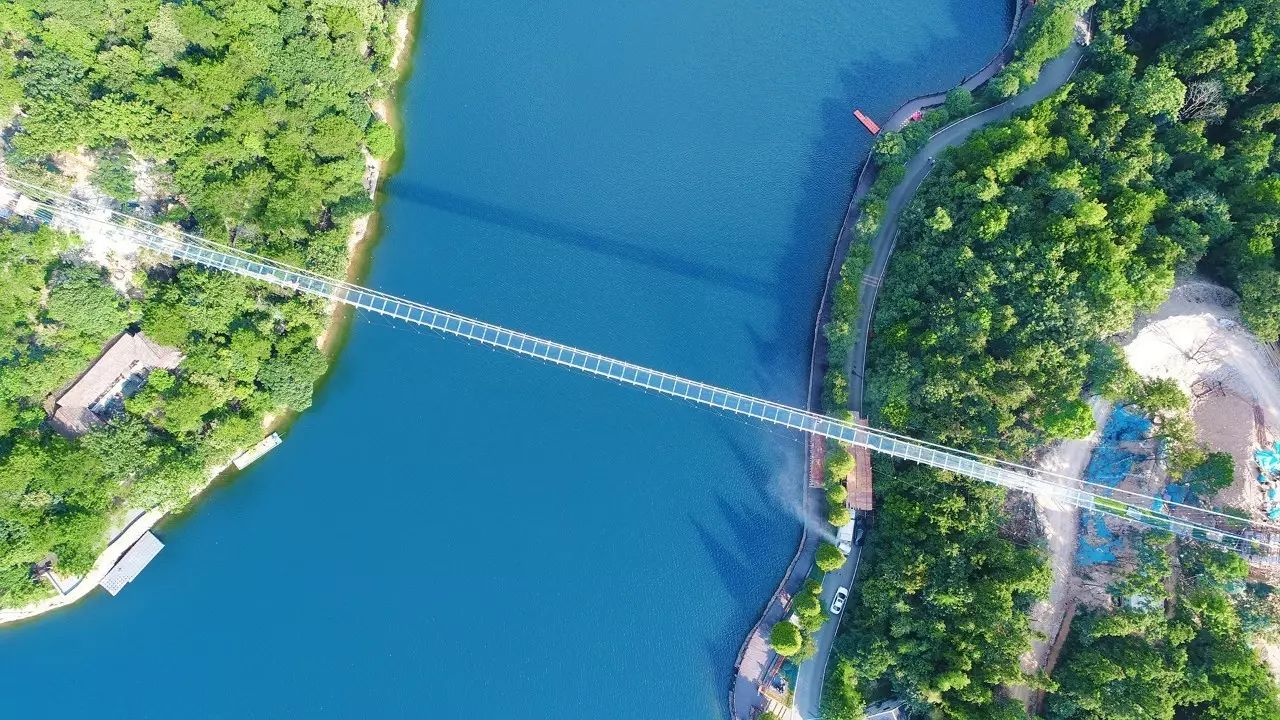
point(455, 532)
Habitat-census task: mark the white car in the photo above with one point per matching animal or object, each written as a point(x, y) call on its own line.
point(837, 602)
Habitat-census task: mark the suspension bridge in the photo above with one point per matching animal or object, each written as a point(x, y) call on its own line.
point(42, 204)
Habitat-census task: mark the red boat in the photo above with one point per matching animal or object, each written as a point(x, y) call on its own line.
point(870, 124)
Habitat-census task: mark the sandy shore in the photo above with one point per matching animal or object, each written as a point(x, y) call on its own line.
point(140, 522)
point(363, 228)
point(125, 538)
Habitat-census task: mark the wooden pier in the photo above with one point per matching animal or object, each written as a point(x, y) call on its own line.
point(248, 457)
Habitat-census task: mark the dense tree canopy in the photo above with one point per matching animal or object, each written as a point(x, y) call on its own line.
point(1043, 234)
point(1138, 664)
point(1025, 248)
point(942, 613)
point(257, 111)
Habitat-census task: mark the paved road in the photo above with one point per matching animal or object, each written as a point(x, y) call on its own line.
point(809, 678)
point(1053, 76)
point(757, 655)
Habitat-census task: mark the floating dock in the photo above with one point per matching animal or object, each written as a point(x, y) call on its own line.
point(131, 563)
point(870, 124)
point(248, 457)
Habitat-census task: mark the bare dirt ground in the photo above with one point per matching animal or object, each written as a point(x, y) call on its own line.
point(1060, 523)
point(1196, 339)
point(113, 252)
point(1225, 422)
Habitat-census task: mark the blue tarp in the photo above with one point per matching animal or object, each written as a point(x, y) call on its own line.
point(1125, 425)
point(1172, 493)
point(1268, 459)
point(1108, 466)
point(1104, 552)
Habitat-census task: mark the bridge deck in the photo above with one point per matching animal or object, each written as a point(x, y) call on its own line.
point(172, 243)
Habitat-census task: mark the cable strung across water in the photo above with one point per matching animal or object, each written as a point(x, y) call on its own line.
point(62, 210)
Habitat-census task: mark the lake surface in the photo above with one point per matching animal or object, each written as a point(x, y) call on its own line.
point(452, 532)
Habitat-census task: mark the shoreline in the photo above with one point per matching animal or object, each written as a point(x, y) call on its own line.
point(364, 229)
point(123, 539)
point(1053, 74)
point(817, 360)
point(359, 244)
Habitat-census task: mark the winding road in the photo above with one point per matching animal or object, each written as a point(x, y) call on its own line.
point(1054, 74)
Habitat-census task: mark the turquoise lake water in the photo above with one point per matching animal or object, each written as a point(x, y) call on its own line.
point(452, 532)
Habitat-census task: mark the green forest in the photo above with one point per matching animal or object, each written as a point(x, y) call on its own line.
point(1028, 246)
point(249, 120)
point(941, 612)
point(1169, 654)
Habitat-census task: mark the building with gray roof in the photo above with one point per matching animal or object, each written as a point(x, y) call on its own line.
point(118, 372)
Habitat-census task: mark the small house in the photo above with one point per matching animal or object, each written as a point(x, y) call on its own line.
point(117, 373)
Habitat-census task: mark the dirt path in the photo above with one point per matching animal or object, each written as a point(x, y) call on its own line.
point(1061, 523)
point(1197, 337)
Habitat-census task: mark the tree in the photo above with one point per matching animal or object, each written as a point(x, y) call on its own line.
point(829, 558)
point(785, 638)
point(841, 699)
point(1163, 396)
point(941, 220)
point(1005, 84)
point(838, 515)
point(837, 493)
point(1072, 420)
point(959, 103)
point(1203, 101)
point(807, 605)
point(1159, 92)
point(1215, 473)
point(1260, 306)
point(289, 378)
point(380, 140)
point(83, 301)
point(114, 176)
point(838, 462)
point(889, 147)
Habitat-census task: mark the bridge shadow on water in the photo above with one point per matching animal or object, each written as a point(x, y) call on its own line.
point(730, 565)
point(566, 234)
point(878, 84)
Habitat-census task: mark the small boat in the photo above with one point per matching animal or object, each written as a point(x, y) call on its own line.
point(870, 124)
